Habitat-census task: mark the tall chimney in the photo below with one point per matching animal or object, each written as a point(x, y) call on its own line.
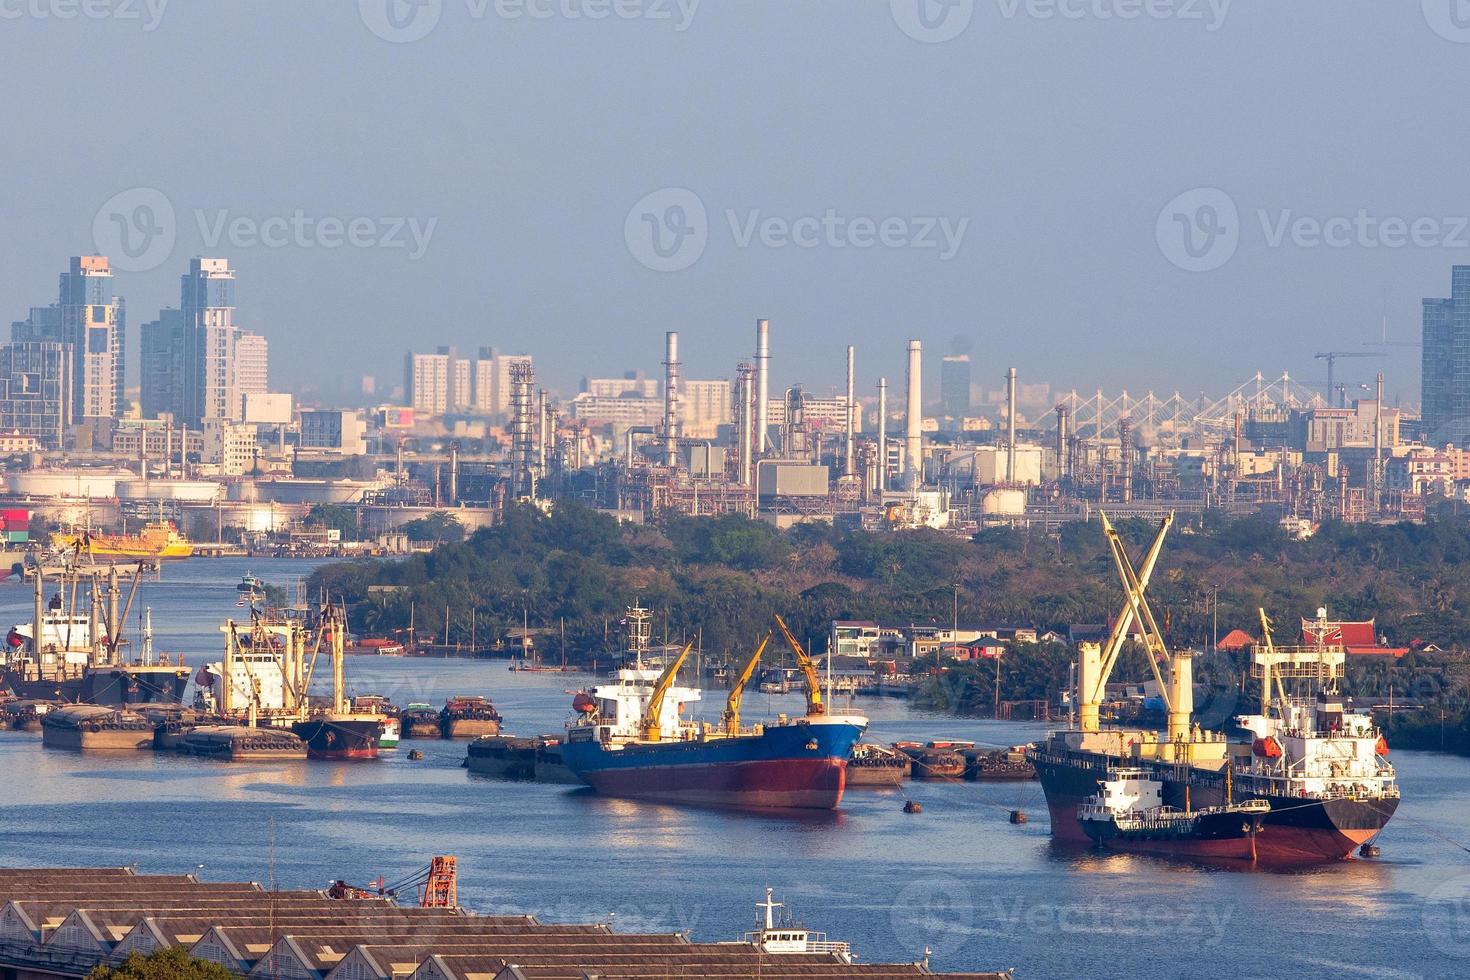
point(671, 398)
point(744, 399)
point(1064, 440)
point(762, 384)
point(882, 435)
point(1011, 426)
point(913, 463)
point(847, 461)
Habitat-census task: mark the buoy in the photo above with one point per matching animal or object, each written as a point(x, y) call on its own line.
point(911, 806)
point(1369, 851)
point(1018, 816)
point(415, 755)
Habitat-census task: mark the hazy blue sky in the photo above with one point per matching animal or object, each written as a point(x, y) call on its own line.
point(1054, 136)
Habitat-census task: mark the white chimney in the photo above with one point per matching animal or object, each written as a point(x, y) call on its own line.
point(882, 435)
point(913, 463)
point(671, 398)
point(847, 462)
point(762, 384)
point(1011, 426)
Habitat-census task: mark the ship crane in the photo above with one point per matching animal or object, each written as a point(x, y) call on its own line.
point(730, 718)
point(814, 705)
point(652, 730)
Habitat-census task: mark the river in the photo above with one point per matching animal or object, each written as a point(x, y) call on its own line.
point(959, 879)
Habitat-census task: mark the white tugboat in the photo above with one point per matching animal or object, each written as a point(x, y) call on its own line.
point(1129, 814)
point(780, 934)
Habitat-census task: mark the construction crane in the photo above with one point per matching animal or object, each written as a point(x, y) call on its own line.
point(808, 667)
point(652, 730)
point(439, 890)
point(1331, 357)
point(731, 716)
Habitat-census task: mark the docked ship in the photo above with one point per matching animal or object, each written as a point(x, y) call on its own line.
point(876, 766)
point(1321, 768)
point(629, 739)
point(1128, 814)
point(339, 731)
point(469, 716)
point(158, 540)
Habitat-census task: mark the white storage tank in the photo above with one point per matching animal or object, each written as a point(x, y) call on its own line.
point(1004, 502)
point(86, 484)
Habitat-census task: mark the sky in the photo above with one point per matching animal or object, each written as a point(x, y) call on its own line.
point(1143, 194)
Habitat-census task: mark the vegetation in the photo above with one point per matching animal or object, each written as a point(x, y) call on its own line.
point(173, 963)
point(724, 577)
point(334, 517)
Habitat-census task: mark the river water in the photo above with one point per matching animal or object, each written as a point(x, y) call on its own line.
point(959, 879)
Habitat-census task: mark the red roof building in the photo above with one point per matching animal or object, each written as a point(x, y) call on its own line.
point(1359, 639)
point(1235, 640)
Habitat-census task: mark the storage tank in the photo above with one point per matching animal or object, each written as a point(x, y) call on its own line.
point(77, 483)
point(192, 490)
point(1004, 502)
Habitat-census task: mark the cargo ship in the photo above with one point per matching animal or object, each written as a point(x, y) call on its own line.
point(629, 739)
point(1321, 769)
point(339, 731)
point(158, 539)
point(1128, 814)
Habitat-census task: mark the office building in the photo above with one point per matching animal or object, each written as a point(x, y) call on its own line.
point(334, 431)
point(704, 406)
point(92, 322)
point(161, 366)
point(252, 364)
point(35, 390)
point(954, 385)
point(207, 306)
point(1446, 365)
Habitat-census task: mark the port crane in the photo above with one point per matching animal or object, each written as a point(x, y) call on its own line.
point(730, 718)
point(1331, 357)
point(814, 705)
point(652, 730)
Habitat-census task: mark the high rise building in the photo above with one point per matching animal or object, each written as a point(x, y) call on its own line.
point(492, 389)
point(1446, 366)
point(93, 322)
point(207, 305)
point(35, 390)
point(252, 364)
point(704, 406)
point(161, 365)
point(954, 385)
point(426, 382)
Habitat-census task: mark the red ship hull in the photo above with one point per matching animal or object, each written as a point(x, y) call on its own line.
point(798, 783)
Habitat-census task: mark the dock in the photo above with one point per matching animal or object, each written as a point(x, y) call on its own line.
point(68, 921)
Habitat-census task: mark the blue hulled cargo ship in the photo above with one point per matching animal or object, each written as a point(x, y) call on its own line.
point(630, 739)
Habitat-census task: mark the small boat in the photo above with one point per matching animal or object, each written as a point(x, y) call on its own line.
point(876, 766)
point(468, 716)
point(373, 646)
point(419, 720)
point(239, 743)
point(936, 760)
point(251, 587)
point(781, 935)
point(378, 704)
point(24, 714)
point(1002, 764)
point(1128, 814)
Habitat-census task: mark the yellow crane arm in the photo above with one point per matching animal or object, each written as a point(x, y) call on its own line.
point(808, 670)
point(1124, 622)
point(656, 699)
point(731, 717)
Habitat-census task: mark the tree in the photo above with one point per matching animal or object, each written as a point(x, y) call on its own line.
point(334, 517)
point(173, 963)
point(437, 527)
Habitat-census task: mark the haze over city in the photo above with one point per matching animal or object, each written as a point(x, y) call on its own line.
point(527, 135)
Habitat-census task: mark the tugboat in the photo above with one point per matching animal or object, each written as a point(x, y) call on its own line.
point(251, 589)
point(1320, 767)
point(780, 934)
point(629, 739)
point(1128, 814)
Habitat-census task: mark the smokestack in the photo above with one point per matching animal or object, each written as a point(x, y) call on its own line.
point(745, 396)
point(671, 398)
point(913, 464)
point(762, 384)
point(1377, 445)
point(1011, 426)
point(1064, 439)
point(882, 435)
point(847, 462)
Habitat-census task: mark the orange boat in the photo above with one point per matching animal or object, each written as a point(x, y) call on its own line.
point(158, 539)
